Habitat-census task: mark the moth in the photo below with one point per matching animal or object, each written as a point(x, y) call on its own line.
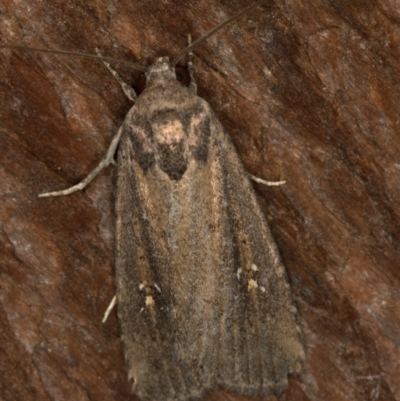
point(203, 298)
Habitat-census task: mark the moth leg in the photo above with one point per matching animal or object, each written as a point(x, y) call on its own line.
point(107, 159)
point(192, 85)
point(129, 91)
point(268, 183)
point(109, 309)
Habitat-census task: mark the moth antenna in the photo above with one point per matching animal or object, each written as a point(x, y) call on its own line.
point(81, 55)
point(217, 28)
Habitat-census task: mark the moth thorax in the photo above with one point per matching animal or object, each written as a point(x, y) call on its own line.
point(168, 127)
point(160, 72)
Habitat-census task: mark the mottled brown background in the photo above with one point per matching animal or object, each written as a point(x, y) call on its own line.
point(307, 90)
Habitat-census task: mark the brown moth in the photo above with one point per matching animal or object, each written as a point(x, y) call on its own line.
point(202, 296)
point(203, 299)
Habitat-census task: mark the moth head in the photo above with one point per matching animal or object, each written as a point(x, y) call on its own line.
point(162, 72)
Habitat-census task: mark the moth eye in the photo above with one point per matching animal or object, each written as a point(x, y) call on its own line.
point(140, 85)
point(182, 75)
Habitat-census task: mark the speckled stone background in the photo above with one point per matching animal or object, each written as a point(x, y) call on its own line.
point(308, 91)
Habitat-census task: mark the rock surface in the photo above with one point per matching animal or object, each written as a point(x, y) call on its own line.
point(308, 92)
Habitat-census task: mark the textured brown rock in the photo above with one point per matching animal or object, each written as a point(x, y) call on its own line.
point(309, 92)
